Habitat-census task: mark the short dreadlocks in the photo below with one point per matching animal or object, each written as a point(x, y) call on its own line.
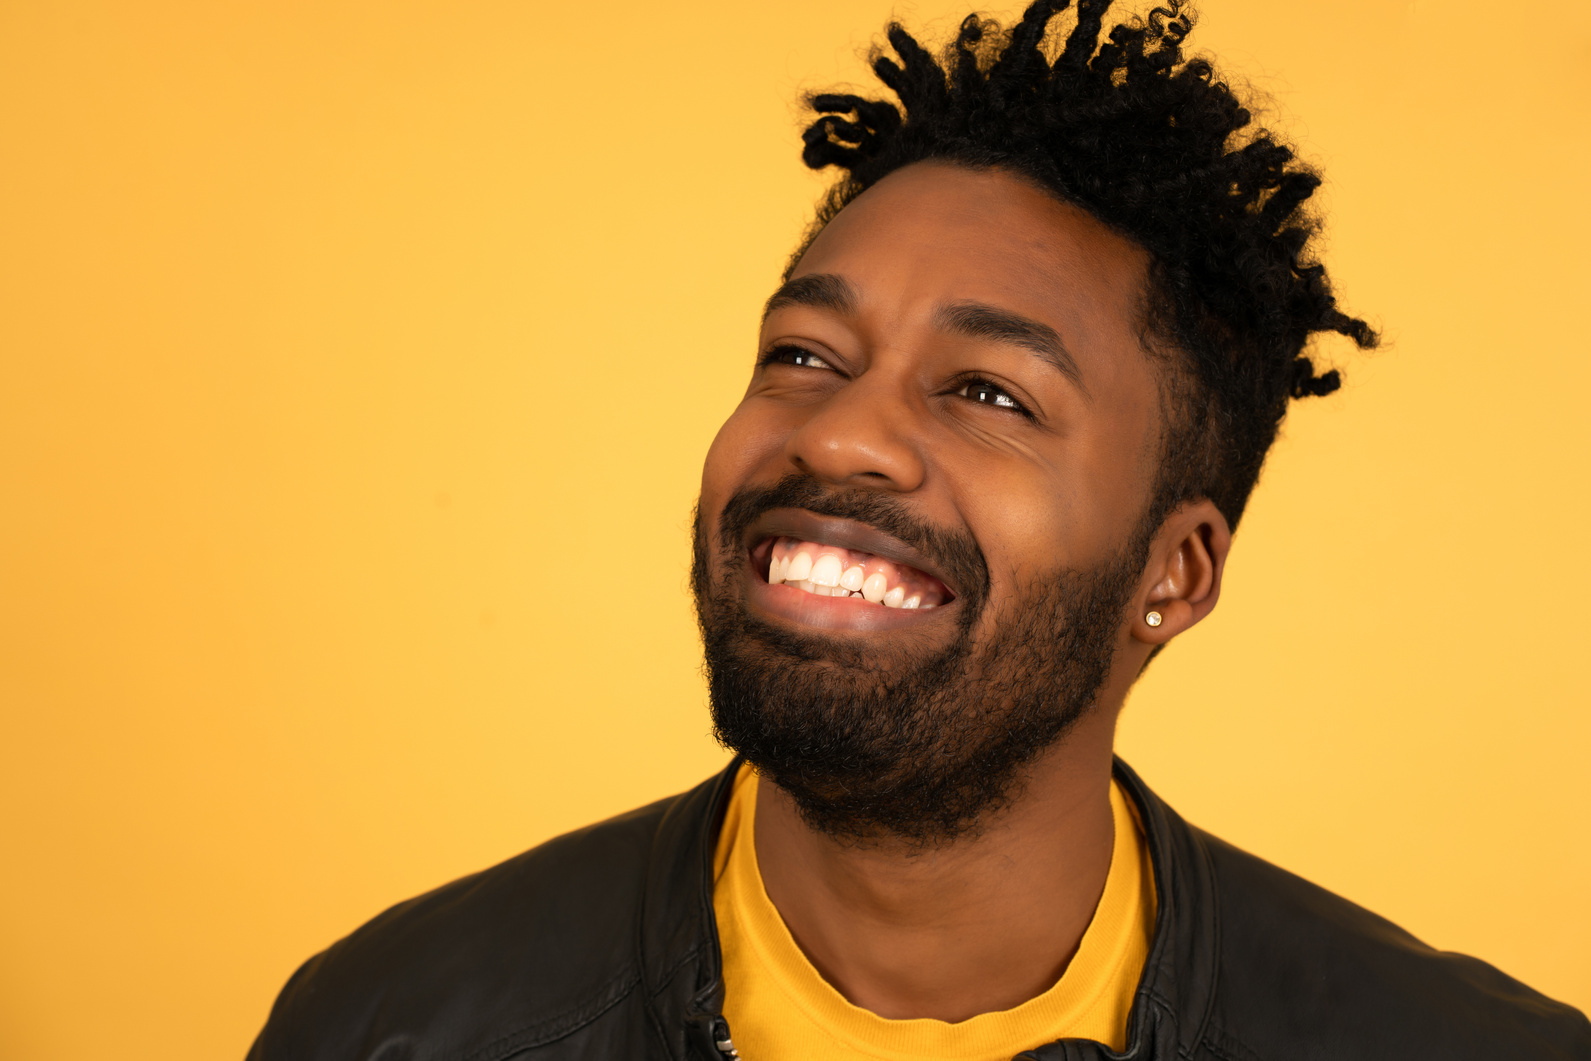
point(1154, 145)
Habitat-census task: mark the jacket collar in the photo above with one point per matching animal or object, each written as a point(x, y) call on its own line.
point(682, 968)
point(681, 965)
point(1177, 987)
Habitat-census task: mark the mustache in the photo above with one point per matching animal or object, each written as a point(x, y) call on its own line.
point(955, 552)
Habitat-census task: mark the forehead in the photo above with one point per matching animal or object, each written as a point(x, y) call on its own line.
point(934, 232)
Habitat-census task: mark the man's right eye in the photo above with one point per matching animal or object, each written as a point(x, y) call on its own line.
point(794, 355)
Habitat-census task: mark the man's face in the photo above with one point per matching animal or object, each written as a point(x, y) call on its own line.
point(954, 420)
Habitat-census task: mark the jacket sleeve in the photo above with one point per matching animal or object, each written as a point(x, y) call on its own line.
point(280, 1039)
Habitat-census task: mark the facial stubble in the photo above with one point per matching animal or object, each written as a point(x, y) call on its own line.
point(873, 739)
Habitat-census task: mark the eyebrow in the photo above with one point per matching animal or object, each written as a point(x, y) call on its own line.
point(977, 320)
point(819, 290)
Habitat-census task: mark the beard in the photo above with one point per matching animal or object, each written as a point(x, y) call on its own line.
point(903, 742)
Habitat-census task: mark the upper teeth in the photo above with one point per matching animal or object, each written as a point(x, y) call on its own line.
point(826, 570)
point(830, 571)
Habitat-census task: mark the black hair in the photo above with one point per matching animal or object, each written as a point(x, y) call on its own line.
point(1157, 147)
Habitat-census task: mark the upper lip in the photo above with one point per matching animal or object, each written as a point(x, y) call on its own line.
point(845, 533)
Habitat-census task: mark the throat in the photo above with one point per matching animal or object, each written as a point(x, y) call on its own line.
point(975, 926)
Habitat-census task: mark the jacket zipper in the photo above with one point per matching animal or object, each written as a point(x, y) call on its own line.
point(721, 1039)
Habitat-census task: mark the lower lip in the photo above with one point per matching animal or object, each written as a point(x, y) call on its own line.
point(835, 613)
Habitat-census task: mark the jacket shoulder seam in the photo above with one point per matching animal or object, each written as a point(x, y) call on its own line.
point(560, 1024)
point(1226, 1047)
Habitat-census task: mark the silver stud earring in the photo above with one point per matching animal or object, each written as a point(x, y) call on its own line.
point(1153, 619)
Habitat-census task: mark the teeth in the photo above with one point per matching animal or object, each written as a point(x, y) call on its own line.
point(829, 571)
point(826, 572)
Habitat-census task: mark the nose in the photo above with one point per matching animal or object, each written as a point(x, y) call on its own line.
point(866, 434)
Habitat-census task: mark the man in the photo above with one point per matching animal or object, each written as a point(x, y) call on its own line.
point(1007, 407)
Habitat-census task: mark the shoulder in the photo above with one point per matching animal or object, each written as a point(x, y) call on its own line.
point(515, 955)
point(1299, 965)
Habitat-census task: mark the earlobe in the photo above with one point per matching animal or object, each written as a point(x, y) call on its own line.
point(1184, 573)
point(1162, 620)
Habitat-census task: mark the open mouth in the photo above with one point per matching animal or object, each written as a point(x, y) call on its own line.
point(835, 571)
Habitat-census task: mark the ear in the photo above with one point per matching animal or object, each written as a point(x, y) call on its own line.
point(1182, 581)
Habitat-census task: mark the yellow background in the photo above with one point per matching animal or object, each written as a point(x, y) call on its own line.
point(356, 364)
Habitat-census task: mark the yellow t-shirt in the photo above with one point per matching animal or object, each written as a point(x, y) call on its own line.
point(780, 1008)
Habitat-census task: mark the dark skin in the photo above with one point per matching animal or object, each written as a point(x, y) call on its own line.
point(1048, 465)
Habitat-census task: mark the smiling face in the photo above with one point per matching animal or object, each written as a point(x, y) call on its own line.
point(919, 532)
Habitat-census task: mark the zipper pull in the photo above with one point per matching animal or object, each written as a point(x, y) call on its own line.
point(721, 1039)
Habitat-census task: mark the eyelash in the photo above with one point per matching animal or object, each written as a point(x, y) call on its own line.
point(967, 384)
point(773, 354)
point(978, 382)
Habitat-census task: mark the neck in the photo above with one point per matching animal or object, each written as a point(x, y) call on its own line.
point(975, 926)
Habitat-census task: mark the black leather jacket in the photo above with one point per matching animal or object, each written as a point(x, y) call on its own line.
point(601, 944)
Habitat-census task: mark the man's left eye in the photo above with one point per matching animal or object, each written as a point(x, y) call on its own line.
point(988, 394)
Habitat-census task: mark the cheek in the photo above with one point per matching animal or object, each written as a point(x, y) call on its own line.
point(1124, 459)
point(1112, 462)
point(1034, 520)
point(748, 447)
point(1027, 525)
